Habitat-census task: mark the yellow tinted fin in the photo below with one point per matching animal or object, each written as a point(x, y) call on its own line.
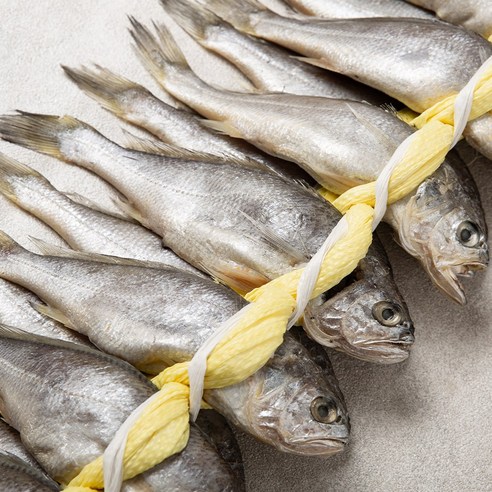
point(224, 127)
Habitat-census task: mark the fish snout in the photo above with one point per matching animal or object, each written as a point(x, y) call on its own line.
point(407, 332)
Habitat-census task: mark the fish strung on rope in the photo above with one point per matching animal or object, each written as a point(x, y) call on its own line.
point(82, 227)
point(475, 15)
point(330, 139)
point(173, 314)
point(89, 386)
point(408, 59)
point(244, 225)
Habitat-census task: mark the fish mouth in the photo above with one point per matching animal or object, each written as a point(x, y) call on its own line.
point(447, 279)
point(317, 446)
point(385, 351)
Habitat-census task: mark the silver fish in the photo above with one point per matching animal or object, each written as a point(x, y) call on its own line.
point(408, 59)
point(17, 475)
point(475, 15)
point(218, 431)
point(136, 105)
point(162, 326)
point(329, 138)
point(348, 9)
point(82, 227)
point(11, 444)
point(262, 225)
point(19, 307)
point(87, 386)
point(270, 68)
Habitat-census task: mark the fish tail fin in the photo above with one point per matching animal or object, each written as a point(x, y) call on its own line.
point(160, 56)
point(12, 173)
point(63, 137)
point(8, 246)
point(236, 12)
point(107, 88)
point(39, 132)
point(192, 16)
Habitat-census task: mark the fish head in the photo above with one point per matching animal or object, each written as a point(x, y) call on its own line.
point(364, 316)
point(443, 225)
point(296, 404)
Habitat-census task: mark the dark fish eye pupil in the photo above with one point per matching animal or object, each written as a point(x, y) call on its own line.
point(387, 313)
point(323, 411)
point(466, 234)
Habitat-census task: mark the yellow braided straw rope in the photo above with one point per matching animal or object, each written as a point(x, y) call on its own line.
point(162, 429)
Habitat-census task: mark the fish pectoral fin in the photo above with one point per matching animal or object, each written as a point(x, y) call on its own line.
point(269, 235)
point(223, 127)
point(129, 211)
point(317, 63)
point(87, 202)
point(240, 278)
point(52, 313)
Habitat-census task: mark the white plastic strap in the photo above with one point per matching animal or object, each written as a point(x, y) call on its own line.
point(198, 365)
point(114, 453)
point(113, 456)
point(464, 100)
point(311, 271)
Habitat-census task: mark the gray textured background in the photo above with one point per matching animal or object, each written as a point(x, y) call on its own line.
point(424, 425)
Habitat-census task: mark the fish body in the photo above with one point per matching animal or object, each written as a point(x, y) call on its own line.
point(16, 475)
point(11, 445)
point(347, 9)
point(408, 59)
point(475, 15)
point(88, 386)
point(339, 143)
point(82, 227)
point(17, 308)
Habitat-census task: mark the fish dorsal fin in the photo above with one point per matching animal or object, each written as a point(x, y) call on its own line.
point(15, 333)
point(151, 146)
point(129, 211)
point(316, 63)
point(47, 249)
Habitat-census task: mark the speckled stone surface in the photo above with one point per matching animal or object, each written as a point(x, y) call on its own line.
point(421, 426)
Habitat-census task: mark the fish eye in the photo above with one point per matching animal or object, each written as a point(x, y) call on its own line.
point(324, 410)
point(468, 234)
point(387, 313)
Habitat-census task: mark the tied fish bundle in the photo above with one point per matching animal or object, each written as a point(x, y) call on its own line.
point(413, 65)
point(244, 225)
point(174, 313)
point(102, 389)
point(341, 144)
